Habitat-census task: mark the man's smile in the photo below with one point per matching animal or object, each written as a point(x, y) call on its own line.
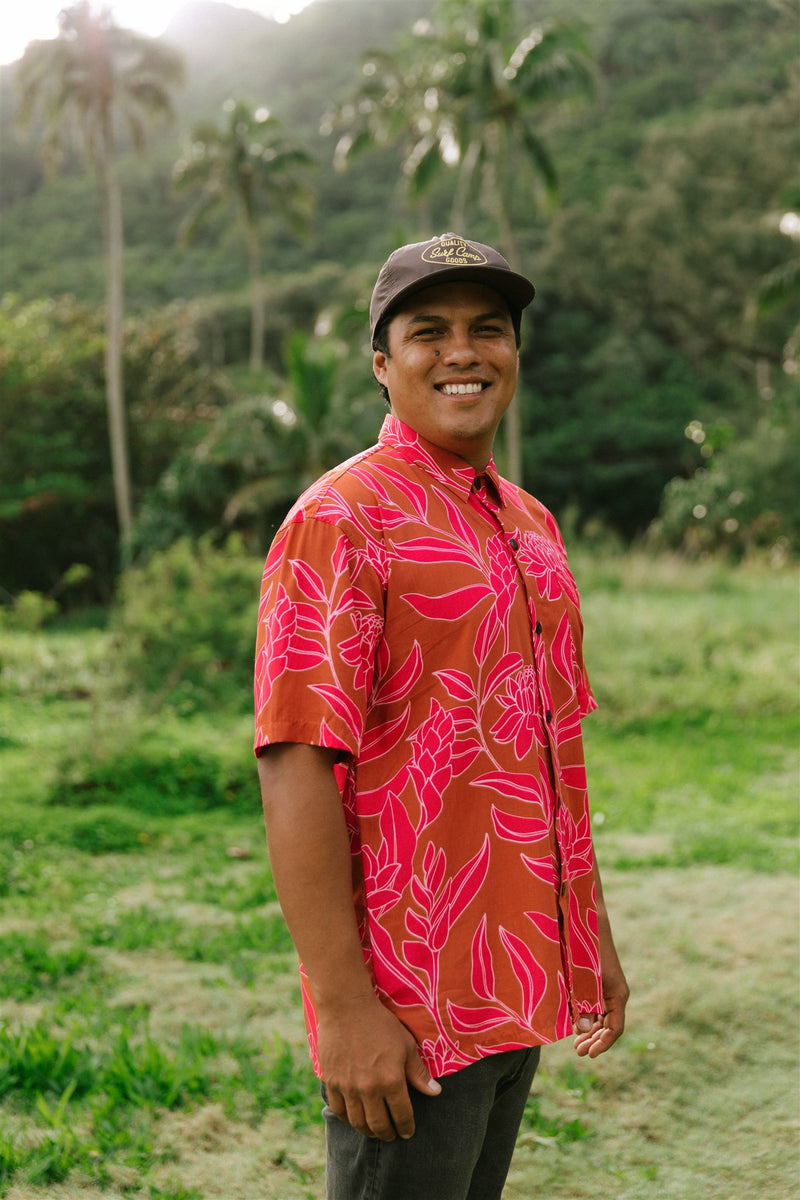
point(460, 389)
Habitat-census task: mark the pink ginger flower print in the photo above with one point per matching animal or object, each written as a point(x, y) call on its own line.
point(441, 1057)
point(358, 650)
point(576, 844)
point(387, 872)
point(431, 768)
point(521, 723)
point(546, 562)
point(280, 625)
point(503, 582)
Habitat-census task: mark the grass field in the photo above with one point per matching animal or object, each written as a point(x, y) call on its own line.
point(151, 1042)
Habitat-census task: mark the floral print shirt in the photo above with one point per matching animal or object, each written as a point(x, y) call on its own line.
point(423, 621)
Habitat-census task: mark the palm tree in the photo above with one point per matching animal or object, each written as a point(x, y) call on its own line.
point(263, 450)
point(303, 431)
point(465, 96)
point(84, 85)
point(252, 165)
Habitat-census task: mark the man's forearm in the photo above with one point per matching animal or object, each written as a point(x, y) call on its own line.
point(367, 1055)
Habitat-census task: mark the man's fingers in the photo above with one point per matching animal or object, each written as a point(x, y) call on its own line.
point(377, 1121)
point(597, 1032)
point(373, 1116)
point(420, 1077)
point(337, 1104)
point(594, 1043)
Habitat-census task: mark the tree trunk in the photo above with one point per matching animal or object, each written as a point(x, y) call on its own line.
point(512, 421)
point(257, 302)
point(111, 199)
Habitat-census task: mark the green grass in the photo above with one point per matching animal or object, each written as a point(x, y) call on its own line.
point(693, 753)
point(151, 1040)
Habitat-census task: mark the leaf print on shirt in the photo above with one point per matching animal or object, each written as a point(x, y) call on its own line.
point(519, 829)
point(440, 899)
point(547, 563)
point(529, 974)
point(451, 606)
point(566, 717)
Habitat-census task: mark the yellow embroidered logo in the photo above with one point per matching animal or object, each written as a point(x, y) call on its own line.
point(454, 252)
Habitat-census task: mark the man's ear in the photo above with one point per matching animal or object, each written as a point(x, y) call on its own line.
point(379, 366)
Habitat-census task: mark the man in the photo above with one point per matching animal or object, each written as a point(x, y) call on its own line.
point(419, 691)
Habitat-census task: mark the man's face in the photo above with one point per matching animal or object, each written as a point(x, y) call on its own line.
point(452, 367)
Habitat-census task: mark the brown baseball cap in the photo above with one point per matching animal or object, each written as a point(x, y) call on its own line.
point(450, 257)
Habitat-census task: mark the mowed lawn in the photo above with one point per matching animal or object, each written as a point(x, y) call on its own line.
point(151, 1043)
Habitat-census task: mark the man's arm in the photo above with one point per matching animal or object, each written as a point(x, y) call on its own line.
point(367, 1056)
point(596, 1034)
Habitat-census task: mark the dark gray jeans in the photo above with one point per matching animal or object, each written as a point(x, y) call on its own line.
point(462, 1146)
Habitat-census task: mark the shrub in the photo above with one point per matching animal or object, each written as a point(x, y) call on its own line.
point(149, 781)
point(185, 622)
point(29, 612)
point(104, 831)
point(747, 498)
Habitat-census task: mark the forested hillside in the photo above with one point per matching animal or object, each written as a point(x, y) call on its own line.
point(648, 363)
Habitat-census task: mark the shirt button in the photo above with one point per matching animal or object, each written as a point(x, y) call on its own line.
point(513, 543)
point(548, 716)
point(537, 629)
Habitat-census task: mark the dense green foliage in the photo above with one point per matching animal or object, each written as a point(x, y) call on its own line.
point(646, 326)
point(56, 500)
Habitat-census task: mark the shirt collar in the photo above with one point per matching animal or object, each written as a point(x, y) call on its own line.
point(447, 467)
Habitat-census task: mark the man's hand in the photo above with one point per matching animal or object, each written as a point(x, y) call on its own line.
point(597, 1032)
point(368, 1059)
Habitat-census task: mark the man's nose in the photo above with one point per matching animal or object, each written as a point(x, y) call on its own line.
point(462, 349)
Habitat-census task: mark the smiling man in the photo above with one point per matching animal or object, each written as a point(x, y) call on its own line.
point(420, 687)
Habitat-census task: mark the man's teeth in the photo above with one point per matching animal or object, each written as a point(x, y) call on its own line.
point(461, 389)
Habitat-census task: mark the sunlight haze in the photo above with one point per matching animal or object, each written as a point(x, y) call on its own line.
point(38, 19)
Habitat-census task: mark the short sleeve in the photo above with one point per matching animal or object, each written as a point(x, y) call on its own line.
point(319, 624)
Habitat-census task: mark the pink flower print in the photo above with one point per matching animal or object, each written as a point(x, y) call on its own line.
point(522, 721)
point(576, 844)
point(544, 559)
point(503, 582)
point(280, 624)
point(388, 872)
point(440, 1057)
point(503, 576)
point(358, 650)
point(431, 767)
